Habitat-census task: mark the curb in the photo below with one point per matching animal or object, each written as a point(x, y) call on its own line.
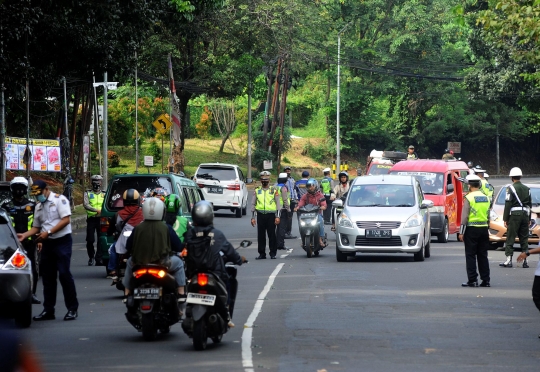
point(78, 222)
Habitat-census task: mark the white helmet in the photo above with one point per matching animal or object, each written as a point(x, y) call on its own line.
point(486, 176)
point(326, 170)
point(19, 180)
point(153, 209)
point(515, 172)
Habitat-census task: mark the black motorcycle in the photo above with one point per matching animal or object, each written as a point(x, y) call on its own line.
point(153, 305)
point(209, 305)
point(309, 230)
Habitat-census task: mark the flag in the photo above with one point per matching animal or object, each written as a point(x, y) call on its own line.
point(175, 109)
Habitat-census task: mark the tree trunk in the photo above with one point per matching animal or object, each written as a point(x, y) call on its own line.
point(178, 151)
point(223, 143)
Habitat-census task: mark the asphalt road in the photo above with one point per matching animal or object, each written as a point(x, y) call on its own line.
point(373, 313)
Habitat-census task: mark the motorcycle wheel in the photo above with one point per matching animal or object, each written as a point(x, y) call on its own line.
point(149, 330)
point(165, 329)
point(217, 339)
point(307, 245)
point(199, 334)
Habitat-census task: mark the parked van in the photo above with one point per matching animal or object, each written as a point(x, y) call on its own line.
point(380, 162)
point(440, 184)
point(186, 189)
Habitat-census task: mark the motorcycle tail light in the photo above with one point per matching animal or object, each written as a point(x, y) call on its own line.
point(104, 224)
point(138, 273)
point(202, 279)
point(18, 260)
point(158, 273)
point(146, 307)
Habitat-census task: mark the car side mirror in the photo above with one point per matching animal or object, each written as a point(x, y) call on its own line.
point(249, 180)
point(245, 243)
point(426, 204)
point(337, 203)
point(449, 189)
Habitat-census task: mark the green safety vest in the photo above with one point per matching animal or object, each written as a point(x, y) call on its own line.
point(280, 185)
point(95, 201)
point(180, 227)
point(486, 188)
point(478, 215)
point(265, 199)
point(326, 186)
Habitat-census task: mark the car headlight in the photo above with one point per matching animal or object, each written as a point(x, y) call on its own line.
point(436, 209)
point(344, 220)
point(493, 216)
point(413, 221)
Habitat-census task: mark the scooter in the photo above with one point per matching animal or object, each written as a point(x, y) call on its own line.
point(153, 304)
point(309, 230)
point(209, 305)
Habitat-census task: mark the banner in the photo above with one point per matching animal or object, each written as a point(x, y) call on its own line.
point(175, 109)
point(44, 154)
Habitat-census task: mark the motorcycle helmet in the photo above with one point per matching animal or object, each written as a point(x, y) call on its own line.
point(153, 209)
point(96, 182)
point(312, 185)
point(282, 178)
point(18, 187)
point(470, 164)
point(341, 174)
point(203, 213)
point(131, 197)
point(160, 193)
point(173, 203)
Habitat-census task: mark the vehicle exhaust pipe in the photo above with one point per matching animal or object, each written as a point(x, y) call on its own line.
point(212, 318)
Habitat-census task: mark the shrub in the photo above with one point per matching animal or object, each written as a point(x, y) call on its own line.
point(204, 125)
point(113, 159)
point(154, 150)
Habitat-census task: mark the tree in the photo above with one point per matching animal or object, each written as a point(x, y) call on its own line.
point(223, 113)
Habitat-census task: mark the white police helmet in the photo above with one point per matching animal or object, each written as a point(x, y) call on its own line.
point(326, 170)
point(19, 181)
point(515, 172)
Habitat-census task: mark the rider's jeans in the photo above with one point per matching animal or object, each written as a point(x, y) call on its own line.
point(321, 226)
point(176, 269)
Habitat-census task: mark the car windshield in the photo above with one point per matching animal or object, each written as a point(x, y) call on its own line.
point(430, 182)
point(381, 196)
point(379, 169)
point(216, 173)
point(143, 184)
point(535, 196)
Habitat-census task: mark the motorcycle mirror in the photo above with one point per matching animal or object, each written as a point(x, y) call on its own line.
point(245, 243)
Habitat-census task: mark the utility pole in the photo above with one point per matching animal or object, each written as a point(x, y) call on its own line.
point(68, 182)
point(338, 144)
point(2, 134)
point(105, 134)
point(285, 84)
point(96, 127)
point(137, 121)
point(249, 130)
point(275, 100)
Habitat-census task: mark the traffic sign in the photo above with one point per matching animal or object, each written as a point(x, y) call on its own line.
point(455, 146)
point(162, 124)
point(148, 161)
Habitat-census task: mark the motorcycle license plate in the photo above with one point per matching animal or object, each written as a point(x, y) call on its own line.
point(308, 215)
point(146, 293)
point(201, 299)
point(378, 233)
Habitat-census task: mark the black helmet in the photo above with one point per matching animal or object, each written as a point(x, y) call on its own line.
point(203, 213)
point(131, 197)
point(341, 174)
point(312, 182)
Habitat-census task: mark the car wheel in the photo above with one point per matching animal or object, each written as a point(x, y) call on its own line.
point(427, 247)
point(340, 256)
point(238, 212)
point(23, 316)
point(443, 236)
point(419, 256)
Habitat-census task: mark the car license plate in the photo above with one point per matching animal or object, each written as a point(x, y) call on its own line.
point(215, 189)
point(146, 293)
point(378, 233)
point(201, 299)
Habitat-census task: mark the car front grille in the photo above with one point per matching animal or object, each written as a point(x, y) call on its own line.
point(381, 225)
point(394, 241)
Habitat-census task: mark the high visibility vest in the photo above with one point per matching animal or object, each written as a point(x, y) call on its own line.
point(265, 199)
point(280, 185)
point(95, 201)
point(486, 188)
point(22, 216)
point(180, 227)
point(478, 215)
point(326, 186)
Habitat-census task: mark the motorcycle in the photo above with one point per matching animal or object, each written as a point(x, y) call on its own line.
point(309, 230)
point(153, 304)
point(209, 305)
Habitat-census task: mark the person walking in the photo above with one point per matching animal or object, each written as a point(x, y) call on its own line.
point(21, 210)
point(52, 228)
point(285, 201)
point(327, 185)
point(93, 202)
point(411, 154)
point(516, 216)
point(294, 200)
point(474, 233)
point(536, 283)
point(265, 210)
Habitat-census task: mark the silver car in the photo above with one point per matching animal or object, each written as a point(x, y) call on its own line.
point(383, 214)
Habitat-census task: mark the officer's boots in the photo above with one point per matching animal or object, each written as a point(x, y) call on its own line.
point(507, 263)
point(525, 264)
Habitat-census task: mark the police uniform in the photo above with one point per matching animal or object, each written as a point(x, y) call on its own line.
point(92, 202)
point(474, 228)
point(266, 205)
point(56, 252)
point(517, 211)
point(327, 185)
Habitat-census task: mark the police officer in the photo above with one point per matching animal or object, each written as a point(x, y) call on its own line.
point(285, 201)
point(266, 209)
point(294, 200)
point(411, 154)
point(516, 216)
point(474, 232)
point(327, 185)
point(93, 202)
point(485, 186)
point(21, 210)
point(52, 227)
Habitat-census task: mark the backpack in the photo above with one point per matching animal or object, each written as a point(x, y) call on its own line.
point(200, 256)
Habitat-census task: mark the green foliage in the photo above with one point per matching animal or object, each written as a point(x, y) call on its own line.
point(113, 160)
point(261, 152)
point(154, 150)
point(204, 124)
point(319, 153)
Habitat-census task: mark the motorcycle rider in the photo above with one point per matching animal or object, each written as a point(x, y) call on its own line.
point(203, 235)
point(179, 224)
point(153, 241)
point(21, 210)
point(315, 197)
point(285, 200)
point(339, 191)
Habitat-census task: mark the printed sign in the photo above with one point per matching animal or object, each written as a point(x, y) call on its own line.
point(455, 146)
point(44, 154)
point(148, 161)
point(267, 164)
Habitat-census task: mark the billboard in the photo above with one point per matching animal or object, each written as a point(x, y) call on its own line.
point(44, 154)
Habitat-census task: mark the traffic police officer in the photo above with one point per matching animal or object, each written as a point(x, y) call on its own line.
point(474, 232)
point(266, 209)
point(285, 201)
point(327, 185)
point(52, 227)
point(21, 210)
point(485, 186)
point(93, 202)
point(516, 216)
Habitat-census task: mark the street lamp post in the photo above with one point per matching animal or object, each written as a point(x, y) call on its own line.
point(338, 144)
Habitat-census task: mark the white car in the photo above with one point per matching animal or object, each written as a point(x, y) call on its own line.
point(383, 214)
point(224, 186)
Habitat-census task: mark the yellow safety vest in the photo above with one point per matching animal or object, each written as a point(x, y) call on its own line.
point(95, 201)
point(281, 196)
point(265, 199)
point(478, 215)
point(486, 188)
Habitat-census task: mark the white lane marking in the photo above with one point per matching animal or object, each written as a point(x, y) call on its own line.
point(289, 251)
point(247, 357)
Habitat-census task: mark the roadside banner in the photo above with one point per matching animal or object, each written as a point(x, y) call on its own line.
point(44, 154)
